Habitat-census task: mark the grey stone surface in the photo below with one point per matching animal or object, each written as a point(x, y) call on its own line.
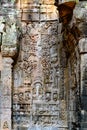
point(43, 73)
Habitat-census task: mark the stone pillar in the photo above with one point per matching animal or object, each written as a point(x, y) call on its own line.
point(9, 28)
point(6, 78)
point(83, 70)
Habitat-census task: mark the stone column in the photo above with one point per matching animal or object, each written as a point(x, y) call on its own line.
point(9, 29)
point(83, 70)
point(6, 77)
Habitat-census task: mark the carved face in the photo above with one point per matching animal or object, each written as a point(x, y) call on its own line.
point(55, 96)
point(27, 95)
point(15, 97)
point(48, 96)
point(21, 96)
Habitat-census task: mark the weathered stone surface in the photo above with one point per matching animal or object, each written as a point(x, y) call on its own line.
point(36, 72)
point(83, 45)
point(36, 62)
point(6, 77)
point(81, 18)
point(46, 87)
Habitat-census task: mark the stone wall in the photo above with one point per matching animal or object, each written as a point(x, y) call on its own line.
point(73, 62)
point(43, 72)
point(8, 49)
point(37, 95)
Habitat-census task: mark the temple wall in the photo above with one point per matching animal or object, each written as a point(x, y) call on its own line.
point(42, 67)
point(73, 63)
point(37, 101)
